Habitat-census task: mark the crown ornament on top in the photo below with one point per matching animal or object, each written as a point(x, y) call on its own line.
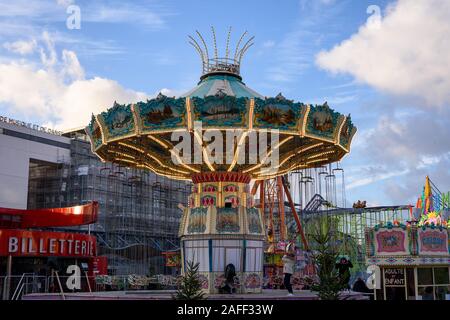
point(214, 64)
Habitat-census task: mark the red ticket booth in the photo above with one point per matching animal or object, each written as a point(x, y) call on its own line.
point(26, 247)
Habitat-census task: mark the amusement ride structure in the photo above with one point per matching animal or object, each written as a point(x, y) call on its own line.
point(222, 223)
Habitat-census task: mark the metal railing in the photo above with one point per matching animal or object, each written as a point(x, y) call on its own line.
point(24, 284)
point(27, 283)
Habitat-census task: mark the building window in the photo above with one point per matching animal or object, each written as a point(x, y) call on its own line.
point(433, 283)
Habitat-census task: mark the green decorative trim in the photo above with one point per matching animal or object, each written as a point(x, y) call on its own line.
point(389, 225)
point(370, 242)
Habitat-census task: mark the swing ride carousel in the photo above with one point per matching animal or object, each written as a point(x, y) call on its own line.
point(222, 223)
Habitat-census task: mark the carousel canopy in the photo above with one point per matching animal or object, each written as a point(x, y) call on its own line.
point(141, 134)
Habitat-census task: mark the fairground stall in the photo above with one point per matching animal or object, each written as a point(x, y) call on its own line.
point(411, 260)
point(33, 250)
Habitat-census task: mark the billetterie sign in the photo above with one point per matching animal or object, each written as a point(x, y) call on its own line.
point(29, 125)
point(26, 243)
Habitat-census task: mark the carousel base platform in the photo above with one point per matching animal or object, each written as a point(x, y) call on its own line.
point(167, 295)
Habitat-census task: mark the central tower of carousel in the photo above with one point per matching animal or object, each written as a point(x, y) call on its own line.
point(221, 224)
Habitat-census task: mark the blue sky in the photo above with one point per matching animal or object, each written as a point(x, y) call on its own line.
point(393, 77)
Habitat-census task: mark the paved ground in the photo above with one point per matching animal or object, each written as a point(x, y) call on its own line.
point(167, 295)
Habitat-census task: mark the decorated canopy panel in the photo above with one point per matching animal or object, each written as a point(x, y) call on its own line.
point(142, 135)
point(406, 244)
point(221, 125)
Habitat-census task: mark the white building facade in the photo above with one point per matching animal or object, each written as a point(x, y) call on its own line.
point(19, 143)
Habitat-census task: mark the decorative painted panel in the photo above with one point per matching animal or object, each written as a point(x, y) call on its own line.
point(393, 244)
point(219, 281)
point(118, 121)
point(253, 281)
point(161, 114)
point(204, 282)
point(347, 132)
point(220, 111)
point(94, 132)
point(322, 121)
point(254, 221)
point(277, 113)
point(197, 220)
point(391, 241)
point(227, 220)
point(433, 241)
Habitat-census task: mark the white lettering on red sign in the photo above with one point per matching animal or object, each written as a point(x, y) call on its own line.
point(13, 244)
point(66, 247)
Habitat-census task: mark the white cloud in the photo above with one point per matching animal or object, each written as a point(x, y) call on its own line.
point(363, 180)
point(405, 54)
point(292, 57)
point(55, 90)
point(413, 139)
point(21, 47)
point(48, 53)
point(294, 53)
point(121, 13)
point(26, 8)
point(400, 150)
point(333, 100)
point(22, 15)
point(43, 94)
point(72, 67)
point(82, 97)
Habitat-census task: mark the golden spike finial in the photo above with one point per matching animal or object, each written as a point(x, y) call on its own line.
point(226, 63)
point(200, 52)
point(204, 44)
point(227, 51)
point(216, 56)
point(247, 45)
point(238, 44)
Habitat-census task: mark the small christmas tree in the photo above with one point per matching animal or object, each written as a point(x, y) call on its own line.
point(190, 287)
point(325, 255)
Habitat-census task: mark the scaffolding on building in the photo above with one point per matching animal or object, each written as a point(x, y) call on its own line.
point(138, 211)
